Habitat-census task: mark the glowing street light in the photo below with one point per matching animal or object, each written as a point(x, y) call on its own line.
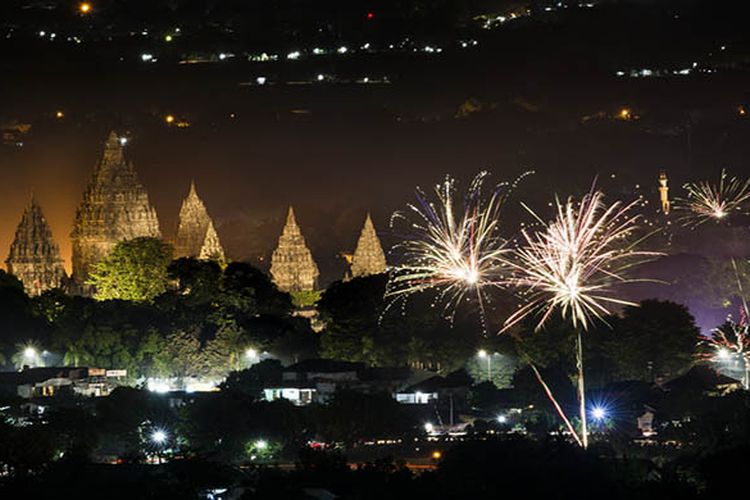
point(169, 119)
point(159, 437)
point(261, 444)
point(251, 353)
point(599, 413)
point(84, 8)
point(30, 353)
point(428, 427)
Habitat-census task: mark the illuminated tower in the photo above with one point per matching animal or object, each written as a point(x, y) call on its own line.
point(664, 192)
point(196, 234)
point(368, 258)
point(115, 207)
point(34, 256)
point(292, 266)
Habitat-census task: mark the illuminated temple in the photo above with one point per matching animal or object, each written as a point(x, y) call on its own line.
point(34, 256)
point(115, 207)
point(196, 234)
point(368, 258)
point(292, 266)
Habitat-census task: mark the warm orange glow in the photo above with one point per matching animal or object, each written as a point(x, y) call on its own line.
point(625, 114)
point(169, 119)
point(59, 115)
point(742, 111)
point(436, 455)
point(84, 8)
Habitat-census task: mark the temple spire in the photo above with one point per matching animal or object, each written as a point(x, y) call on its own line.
point(115, 207)
point(196, 234)
point(34, 256)
point(292, 266)
point(369, 257)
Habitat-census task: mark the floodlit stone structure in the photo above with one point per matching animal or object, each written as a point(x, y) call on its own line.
point(34, 256)
point(196, 234)
point(368, 258)
point(115, 207)
point(292, 266)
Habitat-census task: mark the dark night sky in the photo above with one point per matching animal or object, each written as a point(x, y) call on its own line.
point(362, 147)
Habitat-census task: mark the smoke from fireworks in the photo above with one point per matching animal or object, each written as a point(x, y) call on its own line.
point(706, 201)
point(573, 262)
point(455, 250)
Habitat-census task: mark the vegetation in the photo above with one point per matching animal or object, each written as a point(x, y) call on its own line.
point(135, 270)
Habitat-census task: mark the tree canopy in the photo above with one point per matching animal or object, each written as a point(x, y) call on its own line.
point(135, 270)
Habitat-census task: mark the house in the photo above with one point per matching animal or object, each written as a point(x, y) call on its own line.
point(45, 382)
point(300, 394)
point(455, 386)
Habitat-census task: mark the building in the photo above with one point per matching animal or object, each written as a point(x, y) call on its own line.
point(115, 207)
point(368, 258)
point(292, 266)
point(196, 235)
point(45, 382)
point(34, 256)
point(664, 192)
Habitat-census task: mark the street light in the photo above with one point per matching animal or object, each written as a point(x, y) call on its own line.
point(159, 437)
point(599, 413)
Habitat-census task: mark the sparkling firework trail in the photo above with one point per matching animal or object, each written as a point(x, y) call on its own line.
point(456, 251)
point(573, 262)
point(572, 265)
point(729, 346)
point(706, 201)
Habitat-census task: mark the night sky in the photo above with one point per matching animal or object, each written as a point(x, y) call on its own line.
point(337, 149)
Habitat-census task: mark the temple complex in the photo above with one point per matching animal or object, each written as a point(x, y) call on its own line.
point(368, 258)
point(34, 256)
point(196, 234)
point(115, 207)
point(292, 266)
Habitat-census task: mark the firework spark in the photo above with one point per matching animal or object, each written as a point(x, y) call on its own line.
point(455, 250)
point(572, 264)
point(707, 201)
point(729, 346)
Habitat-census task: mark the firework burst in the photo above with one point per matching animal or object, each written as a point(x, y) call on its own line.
point(707, 201)
point(729, 346)
point(572, 264)
point(453, 247)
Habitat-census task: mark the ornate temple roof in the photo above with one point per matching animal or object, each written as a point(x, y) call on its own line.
point(196, 234)
point(369, 257)
point(34, 256)
point(292, 266)
point(115, 207)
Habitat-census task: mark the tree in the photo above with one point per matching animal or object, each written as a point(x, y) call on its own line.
point(135, 270)
point(253, 380)
point(654, 340)
point(419, 335)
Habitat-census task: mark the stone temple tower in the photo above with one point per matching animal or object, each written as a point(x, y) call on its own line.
point(115, 207)
point(292, 266)
point(369, 257)
point(196, 234)
point(34, 256)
